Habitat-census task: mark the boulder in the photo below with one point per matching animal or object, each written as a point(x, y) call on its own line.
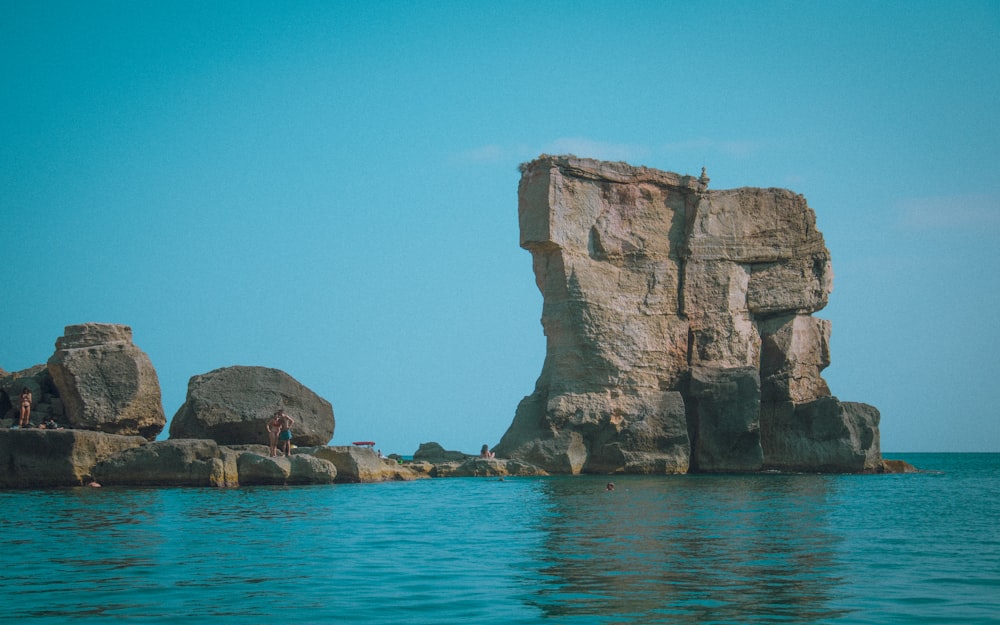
point(105, 382)
point(434, 453)
point(823, 435)
point(170, 463)
point(35, 458)
point(232, 406)
point(307, 469)
point(893, 466)
point(261, 470)
point(672, 314)
point(360, 464)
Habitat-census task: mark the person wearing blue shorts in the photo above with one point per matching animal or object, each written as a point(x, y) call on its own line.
point(285, 432)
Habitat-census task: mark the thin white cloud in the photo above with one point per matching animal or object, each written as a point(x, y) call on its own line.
point(491, 153)
point(973, 211)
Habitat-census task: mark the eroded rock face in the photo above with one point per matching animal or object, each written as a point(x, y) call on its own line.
point(170, 463)
point(232, 405)
point(105, 382)
point(35, 458)
point(675, 317)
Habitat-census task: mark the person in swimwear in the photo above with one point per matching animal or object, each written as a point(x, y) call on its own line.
point(285, 432)
point(273, 427)
point(25, 407)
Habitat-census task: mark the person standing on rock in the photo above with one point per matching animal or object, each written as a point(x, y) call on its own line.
point(273, 427)
point(285, 433)
point(25, 408)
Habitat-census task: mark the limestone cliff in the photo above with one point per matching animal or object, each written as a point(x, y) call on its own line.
point(679, 328)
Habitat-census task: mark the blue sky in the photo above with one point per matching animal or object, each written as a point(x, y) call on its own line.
point(330, 188)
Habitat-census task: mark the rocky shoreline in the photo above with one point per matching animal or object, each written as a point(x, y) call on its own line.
point(42, 458)
point(680, 338)
point(101, 392)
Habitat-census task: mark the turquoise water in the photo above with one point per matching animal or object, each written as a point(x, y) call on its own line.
point(921, 548)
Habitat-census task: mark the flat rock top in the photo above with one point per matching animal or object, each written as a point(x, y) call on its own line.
point(606, 170)
point(92, 334)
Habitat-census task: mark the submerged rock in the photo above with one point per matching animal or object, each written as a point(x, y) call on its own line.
point(679, 328)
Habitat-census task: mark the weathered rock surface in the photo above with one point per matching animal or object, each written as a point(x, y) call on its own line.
point(105, 382)
point(678, 327)
point(486, 467)
point(360, 464)
point(170, 463)
point(258, 469)
point(45, 401)
point(36, 458)
point(232, 405)
point(203, 462)
point(434, 453)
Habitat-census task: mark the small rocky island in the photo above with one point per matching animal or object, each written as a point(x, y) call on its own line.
point(679, 328)
point(680, 338)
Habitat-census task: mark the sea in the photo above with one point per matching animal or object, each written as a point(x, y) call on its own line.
point(687, 549)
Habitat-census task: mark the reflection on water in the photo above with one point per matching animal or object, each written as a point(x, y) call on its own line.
point(851, 550)
point(690, 549)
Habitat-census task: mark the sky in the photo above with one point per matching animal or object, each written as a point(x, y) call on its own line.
point(330, 188)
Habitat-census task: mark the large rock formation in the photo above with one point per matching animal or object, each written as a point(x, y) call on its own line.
point(679, 328)
point(232, 405)
point(105, 382)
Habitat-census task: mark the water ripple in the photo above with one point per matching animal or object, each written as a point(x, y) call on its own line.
point(668, 549)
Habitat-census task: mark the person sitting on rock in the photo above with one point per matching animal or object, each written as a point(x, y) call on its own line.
point(485, 452)
point(285, 433)
point(273, 427)
point(25, 408)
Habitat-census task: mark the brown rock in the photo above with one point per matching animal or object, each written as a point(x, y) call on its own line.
point(487, 467)
point(670, 313)
point(45, 401)
point(105, 382)
point(434, 453)
point(35, 458)
point(232, 405)
point(360, 464)
point(823, 435)
point(724, 407)
point(170, 463)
